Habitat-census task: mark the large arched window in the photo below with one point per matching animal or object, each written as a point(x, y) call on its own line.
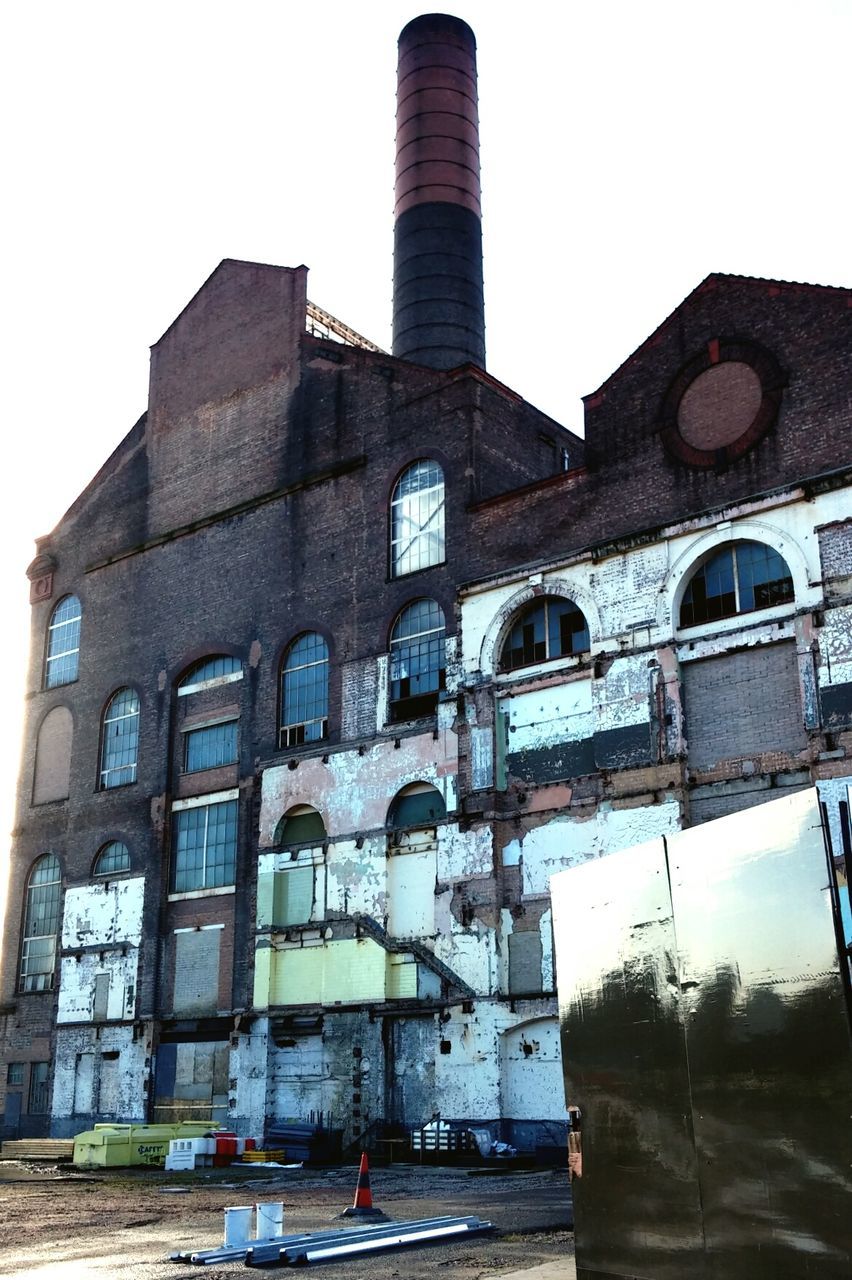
point(548, 628)
point(120, 739)
point(63, 643)
point(41, 924)
point(417, 518)
point(304, 691)
point(741, 578)
point(417, 661)
point(112, 858)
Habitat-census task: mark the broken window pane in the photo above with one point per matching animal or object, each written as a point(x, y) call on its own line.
point(551, 627)
point(63, 643)
point(38, 949)
point(417, 518)
point(120, 739)
point(740, 579)
point(304, 691)
point(417, 660)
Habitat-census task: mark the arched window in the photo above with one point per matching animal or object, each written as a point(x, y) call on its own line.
point(412, 867)
point(113, 857)
point(417, 518)
point(417, 660)
point(417, 805)
point(63, 643)
point(220, 668)
point(550, 627)
point(41, 924)
point(300, 825)
point(741, 578)
point(120, 739)
point(304, 691)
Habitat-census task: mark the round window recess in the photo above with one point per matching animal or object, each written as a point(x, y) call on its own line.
point(721, 403)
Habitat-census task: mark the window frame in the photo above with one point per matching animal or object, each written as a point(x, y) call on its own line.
point(131, 767)
point(189, 682)
point(112, 871)
point(289, 734)
point(698, 570)
point(210, 726)
point(71, 652)
point(526, 610)
point(399, 512)
point(52, 915)
point(39, 1089)
point(208, 869)
point(408, 706)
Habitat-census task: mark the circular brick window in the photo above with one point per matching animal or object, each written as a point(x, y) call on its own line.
point(721, 403)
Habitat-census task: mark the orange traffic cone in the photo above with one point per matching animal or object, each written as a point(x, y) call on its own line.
point(362, 1206)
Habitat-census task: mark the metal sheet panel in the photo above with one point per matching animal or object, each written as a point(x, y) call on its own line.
point(768, 1042)
point(637, 1207)
point(706, 1039)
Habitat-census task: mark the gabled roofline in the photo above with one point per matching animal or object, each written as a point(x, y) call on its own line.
point(710, 282)
point(226, 262)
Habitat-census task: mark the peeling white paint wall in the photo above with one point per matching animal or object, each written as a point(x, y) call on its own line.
point(113, 1087)
point(835, 642)
point(561, 713)
point(565, 841)
point(101, 985)
point(622, 697)
point(103, 913)
point(353, 791)
point(531, 1071)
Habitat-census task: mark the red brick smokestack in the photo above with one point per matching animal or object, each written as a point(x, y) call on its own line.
point(438, 310)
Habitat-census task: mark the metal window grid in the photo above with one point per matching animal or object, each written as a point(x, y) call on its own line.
point(417, 519)
point(204, 847)
point(63, 643)
point(120, 740)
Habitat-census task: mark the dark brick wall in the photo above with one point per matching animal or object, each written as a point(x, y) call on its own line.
point(301, 441)
point(632, 483)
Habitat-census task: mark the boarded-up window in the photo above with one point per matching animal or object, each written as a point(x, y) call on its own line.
point(524, 962)
point(743, 704)
point(108, 1094)
point(294, 896)
point(84, 1079)
point(53, 756)
point(101, 1000)
point(412, 872)
point(196, 988)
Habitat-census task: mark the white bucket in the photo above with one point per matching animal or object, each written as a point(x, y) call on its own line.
point(238, 1225)
point(270, 1220)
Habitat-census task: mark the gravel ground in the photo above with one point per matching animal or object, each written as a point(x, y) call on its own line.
point(68, 1225)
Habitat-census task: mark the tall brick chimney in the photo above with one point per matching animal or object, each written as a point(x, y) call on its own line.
point(438, 308)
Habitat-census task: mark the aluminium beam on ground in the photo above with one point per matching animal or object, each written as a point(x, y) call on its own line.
point(236, 1253)
point(325, 1253)
point(350, 1243)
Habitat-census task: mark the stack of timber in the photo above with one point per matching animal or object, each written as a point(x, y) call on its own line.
point(47, 1149)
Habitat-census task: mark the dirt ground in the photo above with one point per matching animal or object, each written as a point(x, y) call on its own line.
point(62, 1224)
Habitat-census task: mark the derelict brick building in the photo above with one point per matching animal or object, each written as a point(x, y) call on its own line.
point(342, 654)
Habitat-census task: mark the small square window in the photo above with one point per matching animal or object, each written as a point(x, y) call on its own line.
point(15, 1073)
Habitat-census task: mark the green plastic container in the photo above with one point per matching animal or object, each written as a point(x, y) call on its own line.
point(117, 1145)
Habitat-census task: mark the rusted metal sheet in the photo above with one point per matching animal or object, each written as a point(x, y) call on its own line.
point(706, 1041)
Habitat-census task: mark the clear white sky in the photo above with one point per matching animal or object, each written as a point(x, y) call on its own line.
point(628, 149)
